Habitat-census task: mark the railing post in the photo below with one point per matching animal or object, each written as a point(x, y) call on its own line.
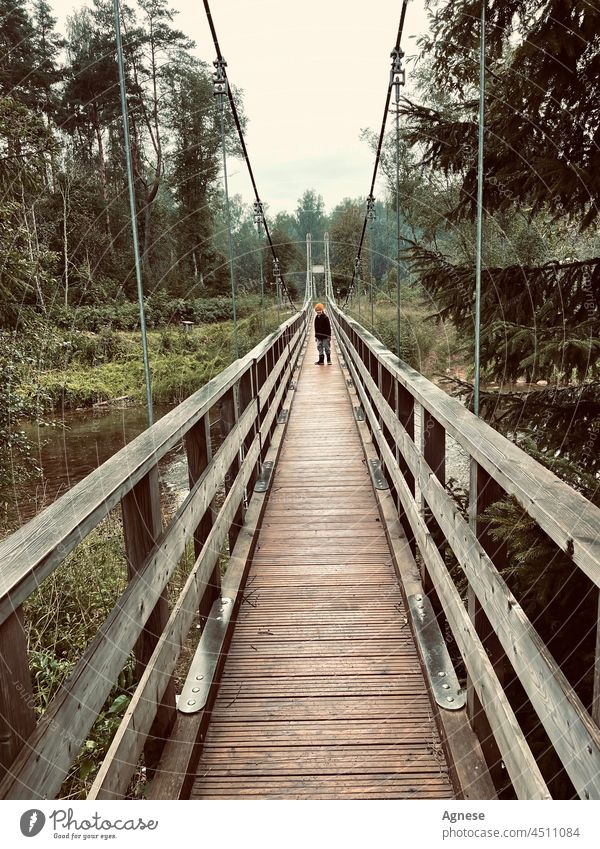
point(17, 716)
point(596, 691)
point(142, 527)
point(198, 448)
point(434, 453)
point(247, 396)
point(406, 416)
point(483, 491)
point(229, 417)
point(387, 387)
point(261, 372)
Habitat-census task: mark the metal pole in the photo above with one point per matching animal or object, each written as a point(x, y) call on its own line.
point(262, 281)
point(258, 220)
point(134, 230)
point(230, 242)
point(397, 78)
point(479, 211)
point(398, 219)
point(371, 277)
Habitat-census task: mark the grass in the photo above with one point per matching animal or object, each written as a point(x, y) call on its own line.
point(89, 368)
point(427, 344)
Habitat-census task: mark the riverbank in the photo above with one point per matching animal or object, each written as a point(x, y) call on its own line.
point(80, 368)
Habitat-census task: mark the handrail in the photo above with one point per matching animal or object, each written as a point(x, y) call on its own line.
point(569, 519)
point(30, 554)
point(250, 392)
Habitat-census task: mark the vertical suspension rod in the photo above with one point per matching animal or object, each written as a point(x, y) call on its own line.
point(398, 219)
point(238, 126)
point(380, 142)
point(133, 213)
point(479, 236)
point(221, 108)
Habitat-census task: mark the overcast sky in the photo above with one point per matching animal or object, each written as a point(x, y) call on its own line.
point(314, 73)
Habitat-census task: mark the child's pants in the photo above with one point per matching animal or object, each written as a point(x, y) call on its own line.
point(324, 347)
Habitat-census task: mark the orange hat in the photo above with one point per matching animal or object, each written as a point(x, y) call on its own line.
point(319, 307)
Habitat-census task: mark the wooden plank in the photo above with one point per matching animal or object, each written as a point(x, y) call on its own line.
point(142, 528)
point(120, 762)
point(76, 705)
point(316, 678)
point(176, 771)
point(466, 762)
point(199, 454)
point(17, 715)
point(483, 491)
point(596, 692)
point(33, 552)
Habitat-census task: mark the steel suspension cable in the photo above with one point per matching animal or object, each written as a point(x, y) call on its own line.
point(479, 236)
point(221, 63)
point(133, 212)
point(370, 198)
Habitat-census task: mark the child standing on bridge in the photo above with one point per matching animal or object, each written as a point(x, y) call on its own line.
point(322, 335)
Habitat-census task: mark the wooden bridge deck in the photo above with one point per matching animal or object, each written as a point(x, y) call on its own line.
point(322, 694)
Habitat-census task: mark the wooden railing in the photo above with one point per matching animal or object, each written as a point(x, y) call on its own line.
point(35, 757)
point(491, 630)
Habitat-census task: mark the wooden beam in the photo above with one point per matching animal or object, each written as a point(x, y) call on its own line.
point(35, 550)
point(596, 691)
point(141, 528)
point(120, 762)
point(199, 455)
point(40, 767)
point(519, 760)
point(484, 491)
point(17, 714)
point(466, 762)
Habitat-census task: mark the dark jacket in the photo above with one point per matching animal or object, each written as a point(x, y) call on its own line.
point(322, 327)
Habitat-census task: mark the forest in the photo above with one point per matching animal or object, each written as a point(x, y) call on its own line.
point(67, 261)
point(69, 320)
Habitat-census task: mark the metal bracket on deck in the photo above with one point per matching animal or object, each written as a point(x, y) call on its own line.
point(264, 479)
point(292, 385)
point(350, 383)
point(359, 413)
point(197, 686)
point(283, 416)
point(377, 476)
point(438, 665)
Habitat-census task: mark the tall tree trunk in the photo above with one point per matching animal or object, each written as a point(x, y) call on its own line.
point(33, 255)
point(103, 179)
point(64, 192)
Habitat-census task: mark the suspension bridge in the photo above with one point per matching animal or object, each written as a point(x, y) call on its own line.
point(323, 668)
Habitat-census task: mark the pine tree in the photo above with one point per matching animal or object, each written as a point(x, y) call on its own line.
point(540, 301)
point(540, 314)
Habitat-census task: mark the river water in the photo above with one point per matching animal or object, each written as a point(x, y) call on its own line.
point(69, 448)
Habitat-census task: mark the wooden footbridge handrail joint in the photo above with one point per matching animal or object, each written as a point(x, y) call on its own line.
point(568, 518)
